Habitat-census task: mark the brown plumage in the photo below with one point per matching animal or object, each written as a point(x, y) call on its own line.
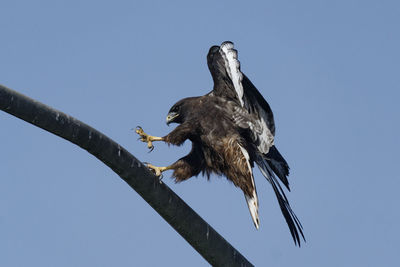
point(215, 143)
point(231, 128)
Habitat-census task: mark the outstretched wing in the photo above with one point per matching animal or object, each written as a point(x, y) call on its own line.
point(232, 84)
point(254, 113)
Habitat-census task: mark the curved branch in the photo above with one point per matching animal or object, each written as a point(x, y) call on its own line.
point(200, 235)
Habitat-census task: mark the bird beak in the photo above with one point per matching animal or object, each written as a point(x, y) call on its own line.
point(171, 116)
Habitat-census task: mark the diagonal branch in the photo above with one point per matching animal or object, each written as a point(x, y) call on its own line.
point(200, 235)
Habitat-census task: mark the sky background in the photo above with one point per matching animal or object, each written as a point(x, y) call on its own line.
point(329, 69)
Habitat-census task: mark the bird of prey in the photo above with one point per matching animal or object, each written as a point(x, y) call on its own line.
point(231, 128)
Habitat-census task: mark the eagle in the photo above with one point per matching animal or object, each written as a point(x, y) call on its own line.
point(231, 129)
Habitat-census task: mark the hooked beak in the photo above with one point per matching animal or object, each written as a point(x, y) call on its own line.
point(171, 116)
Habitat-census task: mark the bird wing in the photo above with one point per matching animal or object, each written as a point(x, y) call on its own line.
point(230, 83)
point(255, 114)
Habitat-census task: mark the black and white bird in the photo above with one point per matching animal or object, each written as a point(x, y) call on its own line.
point(231, 128)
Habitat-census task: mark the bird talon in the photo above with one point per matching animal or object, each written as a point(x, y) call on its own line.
point(156, 170)
point(228, 150)
point(144, 137)
point(139, 130)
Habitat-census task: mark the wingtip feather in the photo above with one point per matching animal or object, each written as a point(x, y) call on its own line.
point(232, 67)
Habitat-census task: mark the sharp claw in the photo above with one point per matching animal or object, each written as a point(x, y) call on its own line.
point(148, 167)
point(138, 130)
point(154, 172)
point(144, 137)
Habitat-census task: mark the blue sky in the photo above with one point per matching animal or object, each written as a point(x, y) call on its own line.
point(329, 69)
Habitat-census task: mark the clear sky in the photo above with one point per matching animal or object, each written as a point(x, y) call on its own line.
point(329, 69)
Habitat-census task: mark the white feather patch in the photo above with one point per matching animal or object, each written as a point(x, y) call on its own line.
point(252, 201)
point(267, 138)
point(247, 157)
point(232, 66)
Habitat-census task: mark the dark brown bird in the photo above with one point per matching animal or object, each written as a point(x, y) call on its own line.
point(231, 128)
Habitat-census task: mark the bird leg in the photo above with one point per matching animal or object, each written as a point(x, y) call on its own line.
point(144, 137)
point(158, 170)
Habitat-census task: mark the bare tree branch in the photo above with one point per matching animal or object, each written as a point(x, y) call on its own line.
point(200, 235)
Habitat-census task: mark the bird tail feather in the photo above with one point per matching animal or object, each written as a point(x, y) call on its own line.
point(252, 200)
point(278, 164)
point(252, 203)
point(295, 227)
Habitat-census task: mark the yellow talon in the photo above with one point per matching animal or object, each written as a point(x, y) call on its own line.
point(158, 170)
point(144, 137)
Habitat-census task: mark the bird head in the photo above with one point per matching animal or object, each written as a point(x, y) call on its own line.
point(176, 112)
point(180, 110)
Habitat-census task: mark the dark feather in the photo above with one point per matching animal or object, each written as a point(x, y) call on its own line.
point(224, 66)
point(190, 165)
point(292, 221)
point(231, 127)
point(255, 102)
point(279, 165)
point(223, 85)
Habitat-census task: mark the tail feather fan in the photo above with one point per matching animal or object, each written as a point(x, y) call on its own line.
point(295, 227)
